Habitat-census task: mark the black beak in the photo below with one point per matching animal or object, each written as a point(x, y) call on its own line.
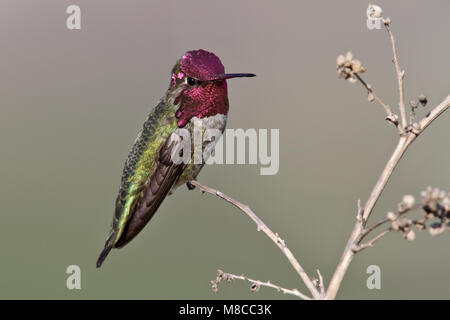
point(235, 75)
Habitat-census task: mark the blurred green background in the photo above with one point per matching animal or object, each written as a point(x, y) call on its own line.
point(72, 103)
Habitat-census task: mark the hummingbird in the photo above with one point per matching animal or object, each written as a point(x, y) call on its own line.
point(197, 92)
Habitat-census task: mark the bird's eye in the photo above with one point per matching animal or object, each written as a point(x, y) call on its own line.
point(190, 81)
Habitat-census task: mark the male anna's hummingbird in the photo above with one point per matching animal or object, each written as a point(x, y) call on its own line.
point(197, 92)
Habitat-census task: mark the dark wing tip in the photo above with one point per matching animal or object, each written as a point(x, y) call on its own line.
point(103, 255)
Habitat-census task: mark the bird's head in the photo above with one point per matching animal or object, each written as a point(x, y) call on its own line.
point(198, 86)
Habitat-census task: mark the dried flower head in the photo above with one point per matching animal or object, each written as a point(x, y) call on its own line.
point(435, 205)
point(347, 67)
point(374, 11)
point(436, 202)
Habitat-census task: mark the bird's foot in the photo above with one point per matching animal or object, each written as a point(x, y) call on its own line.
point(190, 186)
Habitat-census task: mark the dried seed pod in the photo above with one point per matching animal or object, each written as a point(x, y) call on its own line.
point(391, 216)
point(413, 104)
point(357, 66)
point(423, 100)
point(392, 118)
point(410, 235)
point(436, 229)
point(351, 80)
point(340, 60)
point(395, 226)
point(435, 193)
point(446, 204)
point(254, 287)
point(349, 56)
point(408, 200)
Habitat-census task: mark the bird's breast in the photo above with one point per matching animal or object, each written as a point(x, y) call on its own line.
point(210, 130)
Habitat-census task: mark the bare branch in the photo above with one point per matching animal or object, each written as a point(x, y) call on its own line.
point(256, 284)
point(398, 153)
point(263, 227)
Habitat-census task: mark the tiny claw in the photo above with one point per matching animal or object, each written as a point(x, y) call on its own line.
point(190, 186)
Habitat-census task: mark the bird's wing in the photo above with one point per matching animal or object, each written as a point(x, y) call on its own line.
point(148, 176)
point(155, 191)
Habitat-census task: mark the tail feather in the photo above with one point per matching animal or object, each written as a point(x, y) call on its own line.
point(103, 255)
point(108, 246)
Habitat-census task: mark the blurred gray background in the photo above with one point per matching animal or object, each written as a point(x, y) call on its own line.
point(72, 103)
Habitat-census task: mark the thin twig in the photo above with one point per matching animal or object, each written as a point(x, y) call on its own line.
point(378, 100)
point(321, 284)
point(381, 222)
point(263, 227)
point(400, 74)
point(360, 247)
point(257, 283)
point(366, 231)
